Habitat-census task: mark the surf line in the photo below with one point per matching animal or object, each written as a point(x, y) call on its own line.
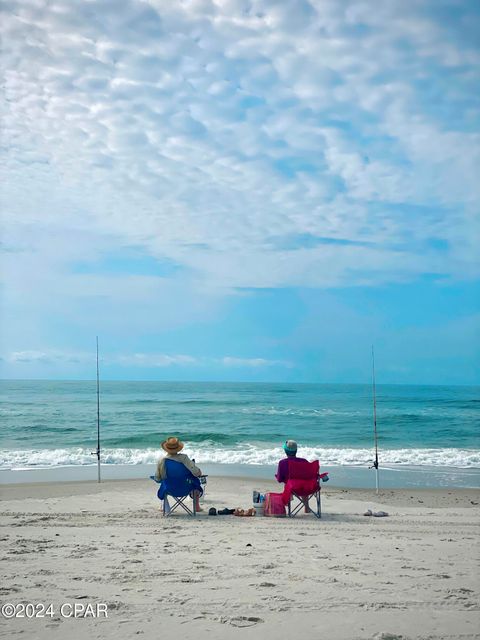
point(97, 452)
point(375, 434)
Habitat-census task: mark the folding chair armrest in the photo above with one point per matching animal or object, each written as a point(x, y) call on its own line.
point(154, 479)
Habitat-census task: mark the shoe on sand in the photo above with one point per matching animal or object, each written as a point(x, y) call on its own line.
point(368, 512)
point(244, 513)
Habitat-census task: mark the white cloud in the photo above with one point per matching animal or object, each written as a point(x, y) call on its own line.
point(152, 360)
point(198, 130)
point(29, 356)
point(47, 357)
point(230, 361)
point(143, 360)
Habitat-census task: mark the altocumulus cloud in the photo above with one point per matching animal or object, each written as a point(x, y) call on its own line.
point(199, 130)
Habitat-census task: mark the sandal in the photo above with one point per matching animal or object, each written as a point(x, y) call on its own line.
point(244, 513)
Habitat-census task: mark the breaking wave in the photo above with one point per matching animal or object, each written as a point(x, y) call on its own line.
point(247, 454)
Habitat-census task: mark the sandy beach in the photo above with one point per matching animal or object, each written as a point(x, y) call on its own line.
point(410, 575)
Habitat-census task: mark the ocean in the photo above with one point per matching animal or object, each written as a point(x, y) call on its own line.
point(53, 423)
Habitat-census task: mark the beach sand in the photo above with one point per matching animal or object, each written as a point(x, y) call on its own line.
point(410, 575)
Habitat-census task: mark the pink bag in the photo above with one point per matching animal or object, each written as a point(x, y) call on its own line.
point(274, 506)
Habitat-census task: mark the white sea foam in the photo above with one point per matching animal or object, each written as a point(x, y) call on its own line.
point(248, 454)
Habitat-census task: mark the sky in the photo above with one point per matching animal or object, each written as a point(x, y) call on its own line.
point(241, 190)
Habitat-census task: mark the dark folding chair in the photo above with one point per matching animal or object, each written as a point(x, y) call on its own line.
point(303, 484)
point(179, 484)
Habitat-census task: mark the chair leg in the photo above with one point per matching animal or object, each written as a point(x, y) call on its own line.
point(318, 512)
point(293, 512)
point(167, 509)
point(303, 501)
point(179, 502)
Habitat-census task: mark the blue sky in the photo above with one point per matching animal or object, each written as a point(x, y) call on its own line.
point(241, 190)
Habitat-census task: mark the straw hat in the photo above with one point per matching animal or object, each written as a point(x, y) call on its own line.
point(172, 445)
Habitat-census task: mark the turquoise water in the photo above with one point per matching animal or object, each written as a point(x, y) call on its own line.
point(51, 423)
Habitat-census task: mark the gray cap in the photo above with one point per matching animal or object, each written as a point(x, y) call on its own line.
point(290, 446)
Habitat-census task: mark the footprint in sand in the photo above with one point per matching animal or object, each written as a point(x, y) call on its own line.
point(4, 591)
point(243, 621)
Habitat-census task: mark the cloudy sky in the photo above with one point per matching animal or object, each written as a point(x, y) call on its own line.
point(241, 189)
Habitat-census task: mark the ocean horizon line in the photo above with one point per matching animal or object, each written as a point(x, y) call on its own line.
point(252, 382)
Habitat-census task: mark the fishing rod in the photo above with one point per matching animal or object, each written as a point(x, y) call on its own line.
point(97, 452)
point(375, 435)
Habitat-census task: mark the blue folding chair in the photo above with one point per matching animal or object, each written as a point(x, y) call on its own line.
point(180, 483)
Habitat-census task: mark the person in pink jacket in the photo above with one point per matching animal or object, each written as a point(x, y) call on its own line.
point(290, 447)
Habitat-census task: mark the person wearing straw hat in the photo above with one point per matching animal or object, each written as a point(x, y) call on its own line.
point(172, 446)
